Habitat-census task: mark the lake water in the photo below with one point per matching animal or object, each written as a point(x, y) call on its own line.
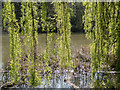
point(78, 40)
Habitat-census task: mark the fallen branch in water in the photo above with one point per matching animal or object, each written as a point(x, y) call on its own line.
point(68, 80)
point(73, 85)
point(11, 84)
point(110, 72)
point(8, 84)
point(1, 71)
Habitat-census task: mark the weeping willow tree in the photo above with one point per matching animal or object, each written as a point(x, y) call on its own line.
point(114, 27)
point(9, 19)
point(101, 24)
point(63, 12)
point(63, 52)
point(23, 40)
point(46, 27)
point(27, 48)
point(29, 12)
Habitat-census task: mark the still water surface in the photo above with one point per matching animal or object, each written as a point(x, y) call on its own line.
point(78, 40)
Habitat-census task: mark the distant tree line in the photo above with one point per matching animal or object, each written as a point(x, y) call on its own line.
point(76, 18)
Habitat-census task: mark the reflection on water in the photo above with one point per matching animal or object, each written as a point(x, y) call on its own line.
point(57, 81)
point(106, 80)
point(82, 80)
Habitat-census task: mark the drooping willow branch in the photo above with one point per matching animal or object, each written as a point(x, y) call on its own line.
point(23, 39)
point(30, 41)
point(14, 40)
point(62, 10)
point(46, 27)
point(101, 25)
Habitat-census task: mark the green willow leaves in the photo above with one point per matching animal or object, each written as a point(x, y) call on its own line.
point(25, 62)
point(101, 24)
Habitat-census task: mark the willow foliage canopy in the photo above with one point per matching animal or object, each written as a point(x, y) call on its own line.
point(24, 44)
point(101, 24)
